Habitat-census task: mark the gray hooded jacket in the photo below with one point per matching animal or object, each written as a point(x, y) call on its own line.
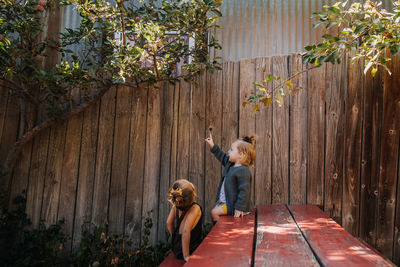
point(237, 183)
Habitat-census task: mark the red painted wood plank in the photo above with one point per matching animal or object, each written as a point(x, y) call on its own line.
point(333, 245)
point(230, 243)
point(279, 241)
point(171, 261)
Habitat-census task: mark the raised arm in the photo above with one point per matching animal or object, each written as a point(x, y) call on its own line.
point(218, 153)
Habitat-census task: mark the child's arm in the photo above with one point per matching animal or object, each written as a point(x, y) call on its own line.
point(243, 182)
point(218, 153)
point(170, 220)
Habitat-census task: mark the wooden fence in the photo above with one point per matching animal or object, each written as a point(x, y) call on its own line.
point(334, 143)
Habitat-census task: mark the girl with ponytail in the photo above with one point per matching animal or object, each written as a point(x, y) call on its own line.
point(233, 196)
point(184, 222)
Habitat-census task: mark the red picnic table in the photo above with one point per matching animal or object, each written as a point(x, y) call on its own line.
point(281, 235)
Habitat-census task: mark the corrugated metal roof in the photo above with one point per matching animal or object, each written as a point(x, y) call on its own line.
point(259, 28)
point(256, 28)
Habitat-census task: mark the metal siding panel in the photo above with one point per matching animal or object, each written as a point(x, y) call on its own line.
point(259, 28)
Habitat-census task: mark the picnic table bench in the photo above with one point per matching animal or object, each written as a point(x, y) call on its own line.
point(281, 235)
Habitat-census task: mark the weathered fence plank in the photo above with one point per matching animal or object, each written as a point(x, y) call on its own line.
point(3, 112)
point(137, 141)
point(119, 165)
point(389, 160)
point(86, 175)
point(197, 134)
point(36, 177)
point(262, 177)
point(298, 133)
point(52, 182)
point(183, 151)
point(316, 135)
point(69, 175)
point(151, 179)
point(334, 97)
point(352, 147)
point(212, 166)
point(230, 104)
point(174, 137)
point(167, 115)
point(20, 179)
point(280, 137)
point(101, 189)
point(373, 104)
point(247, 124)
point(9, 132)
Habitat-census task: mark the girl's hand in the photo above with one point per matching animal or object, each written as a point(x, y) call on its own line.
point(209, 140)
point(186, 258)
point(238, 213)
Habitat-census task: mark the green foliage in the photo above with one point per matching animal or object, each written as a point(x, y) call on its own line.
point(99, 249)
point(22, 247)
point(154, 40)
point(364, 29)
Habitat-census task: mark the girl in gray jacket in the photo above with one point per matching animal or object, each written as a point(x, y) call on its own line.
point(233, 196)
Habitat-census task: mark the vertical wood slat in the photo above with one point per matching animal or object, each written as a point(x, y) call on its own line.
point(373, 97)
point(37, 177)
point(298, 134)
point(103, 157)
point(120, 159)
point(137, 140)
point(19, 180)
point(280, 139)
point(334, 141)
point(87, 169)
point(152, 160)
point(69, 175)
point(8, 136)
point(389, 160)
point(174, 137)
point(212, 166)
point(247, 125)
point(230, 104)
point(167, 115)
point(197, 134)
point(3, 112)
point(352, 147)
point(262, 179)
point(52, 182)
point(183, 151)
point(316, 135)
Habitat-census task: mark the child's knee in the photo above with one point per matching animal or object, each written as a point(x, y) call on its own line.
point(214, 214)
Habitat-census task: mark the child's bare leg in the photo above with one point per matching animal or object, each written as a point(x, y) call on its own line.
point(216, 212)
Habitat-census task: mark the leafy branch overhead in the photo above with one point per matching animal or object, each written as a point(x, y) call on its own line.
point(134, 43)
point(365, 29)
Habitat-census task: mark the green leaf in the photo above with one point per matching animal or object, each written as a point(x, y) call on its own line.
point(373, 72)
point(330, 24)
point(317, 23)
point(259, 85)
point(269, 78)
point(359, 29)
point(289, 83)
point(256, 109)
point(267, 101)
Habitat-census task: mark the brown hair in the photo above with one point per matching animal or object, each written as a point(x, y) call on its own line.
point(246, 145)
point(182, 194)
